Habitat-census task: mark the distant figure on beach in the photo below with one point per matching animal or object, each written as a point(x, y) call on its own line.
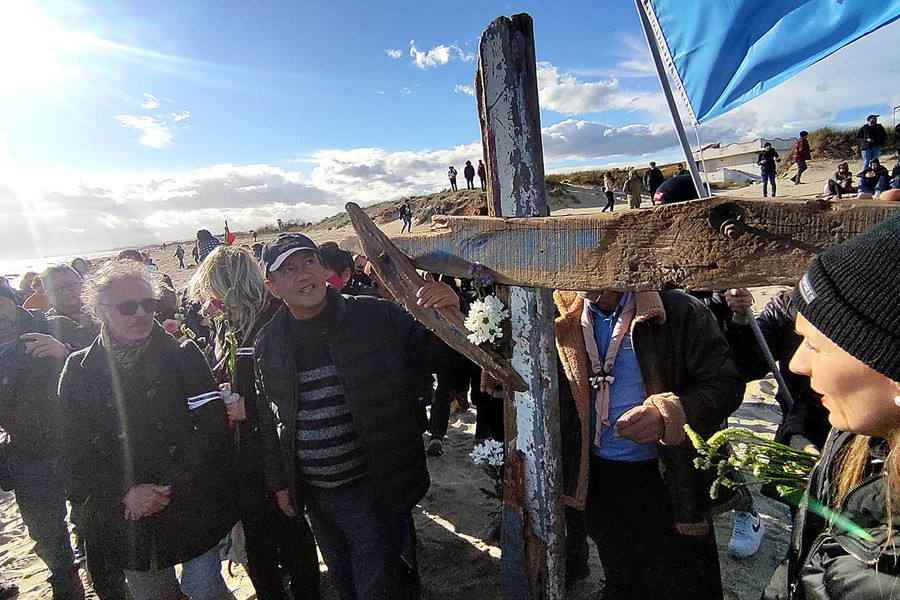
point(195, 252)
point(406, 216)
point(633, 188)
point(206, 243)
point(871, 137)
point(653, 178)
point(609, 188)
point(841, 183)
point(469, 172)
point(147, 260)
point(482, 175)
point(255, 235)
point(801, 155)
point(163, 246)
point(179, 254)
point(768, 160)
point(451, 173)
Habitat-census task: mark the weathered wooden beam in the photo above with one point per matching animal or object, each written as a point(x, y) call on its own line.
point(506, 92)
point(675, 245)
point(400, 277)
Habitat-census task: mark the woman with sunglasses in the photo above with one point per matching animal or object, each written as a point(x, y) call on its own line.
point(846, 538)
point(231, 288)
point(146, 443)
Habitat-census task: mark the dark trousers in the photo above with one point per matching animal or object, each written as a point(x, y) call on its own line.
point(629, 517)
point(801, 167)
point(453, 184)
point(276, 543)
point(610, 202)
point(370, 556)
point(41, 497)
point(768, 177)
point(470, 183)
point(483, 185)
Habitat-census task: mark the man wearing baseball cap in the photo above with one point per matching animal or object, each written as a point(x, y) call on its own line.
point(339, 371)
point(871, 137)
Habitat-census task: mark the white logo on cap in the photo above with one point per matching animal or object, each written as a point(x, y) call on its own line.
point(806, 289)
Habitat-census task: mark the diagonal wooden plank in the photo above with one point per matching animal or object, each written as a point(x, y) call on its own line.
point(401, 278)
point(676, 245)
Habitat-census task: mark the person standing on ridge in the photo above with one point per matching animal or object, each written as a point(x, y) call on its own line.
point(767, 161)
point(451, 173)
point(653, 178)
point(871, 137)
point(482, 175)
point(469, 172)
point(801, 155)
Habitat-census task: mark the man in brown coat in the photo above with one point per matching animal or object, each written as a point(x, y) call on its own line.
point(634, 369)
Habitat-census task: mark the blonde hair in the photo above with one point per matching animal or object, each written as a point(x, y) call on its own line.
point(851, 469)
point(228, 268)
point(109, 273)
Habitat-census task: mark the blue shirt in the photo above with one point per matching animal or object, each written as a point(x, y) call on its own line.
point(626, 392)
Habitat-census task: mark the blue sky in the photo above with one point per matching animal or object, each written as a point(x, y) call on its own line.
point(128, 123)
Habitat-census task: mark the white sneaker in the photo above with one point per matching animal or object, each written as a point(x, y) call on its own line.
point(747, 535)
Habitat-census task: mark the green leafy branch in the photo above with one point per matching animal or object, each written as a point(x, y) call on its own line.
point(739, 450)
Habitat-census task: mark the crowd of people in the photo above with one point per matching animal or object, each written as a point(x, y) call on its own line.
point(167, 417)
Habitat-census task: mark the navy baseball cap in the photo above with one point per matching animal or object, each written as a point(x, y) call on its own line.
point(276, 252)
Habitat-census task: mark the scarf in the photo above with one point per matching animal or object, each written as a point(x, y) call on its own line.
point(126, 356)
point(602, 379)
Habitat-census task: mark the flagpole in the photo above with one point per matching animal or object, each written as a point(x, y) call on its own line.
point(670, 98)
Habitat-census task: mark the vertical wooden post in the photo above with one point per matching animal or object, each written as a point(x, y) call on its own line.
point(506, 90)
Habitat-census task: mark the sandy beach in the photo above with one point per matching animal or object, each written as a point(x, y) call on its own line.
point(454, 519)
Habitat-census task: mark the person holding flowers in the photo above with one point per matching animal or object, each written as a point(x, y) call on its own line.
point(845, 543)
point(230, 286)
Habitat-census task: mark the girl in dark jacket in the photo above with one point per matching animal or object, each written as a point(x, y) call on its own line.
point(849, 318)
point(145, 441)
point(231, 287)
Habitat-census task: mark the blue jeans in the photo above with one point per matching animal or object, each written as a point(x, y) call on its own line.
point(41, 496)
point(881, 185)
point(869, 153)
point(201, 579)
point(407, 224)
point(767, 176)
point(364, 549)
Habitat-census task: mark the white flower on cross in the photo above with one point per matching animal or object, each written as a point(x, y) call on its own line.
point(484, 320)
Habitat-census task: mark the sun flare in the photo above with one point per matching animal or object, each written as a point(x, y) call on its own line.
point(32, 46)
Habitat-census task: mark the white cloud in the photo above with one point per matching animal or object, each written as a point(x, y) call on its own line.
point(464, 89)
point(155, 132)
point(564, 93)
point(439, 55)
point(394, 53)
point(150, 102)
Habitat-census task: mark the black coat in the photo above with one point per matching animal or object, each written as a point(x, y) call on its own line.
point(377, 347)
point(870, 136)
point(123, 429)
point(807, 416)
point(828, 562)
point(28, 399)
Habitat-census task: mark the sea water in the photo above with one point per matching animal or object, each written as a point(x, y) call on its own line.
point(13, 269)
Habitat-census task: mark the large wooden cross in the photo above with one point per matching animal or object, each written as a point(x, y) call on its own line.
point(701, 245)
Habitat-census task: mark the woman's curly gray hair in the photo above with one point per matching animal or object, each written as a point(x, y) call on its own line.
point(109, 273)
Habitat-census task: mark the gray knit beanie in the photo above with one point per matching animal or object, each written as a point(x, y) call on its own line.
point(851, 293)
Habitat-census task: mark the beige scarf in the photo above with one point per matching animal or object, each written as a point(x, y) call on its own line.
point(602, 379)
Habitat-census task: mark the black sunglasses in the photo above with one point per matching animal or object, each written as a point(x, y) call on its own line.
point(129, 307)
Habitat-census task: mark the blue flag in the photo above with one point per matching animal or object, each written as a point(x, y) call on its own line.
point(723, 53)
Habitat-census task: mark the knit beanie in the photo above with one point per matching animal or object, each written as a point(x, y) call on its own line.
point(851, 293)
